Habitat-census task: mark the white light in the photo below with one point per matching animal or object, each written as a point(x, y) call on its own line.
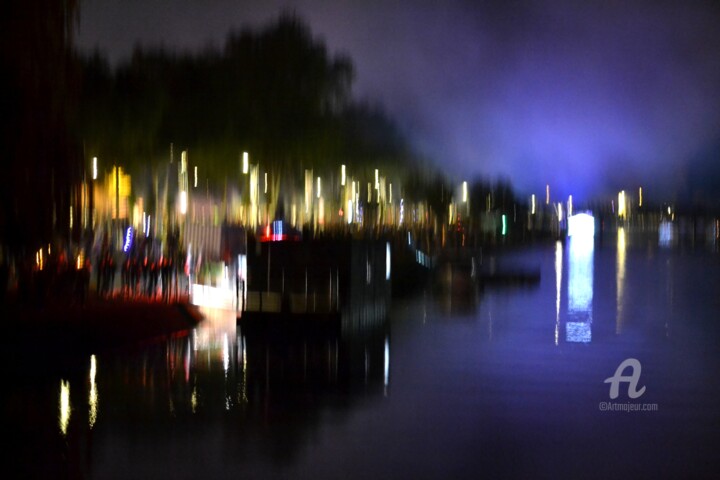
point(387, 261)
point(342, 175)
point(581, 225)
point(377, 179)
point(547, 194)
point(349, 214)
point(226, 353)
point(318, 187)
point(391, 193)
point(578, 328)
point(560, 212)
point(195, 181)
point(147, 234)
point(94, 168)
point(532, 203)
point(558, 286)
point(246, 163)
point(183, 202)
point(386, 366)
point(93, 395)
point(464, 192)
point(569, 207)
point(265, 191)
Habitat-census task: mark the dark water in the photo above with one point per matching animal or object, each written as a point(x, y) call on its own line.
point(498, 383)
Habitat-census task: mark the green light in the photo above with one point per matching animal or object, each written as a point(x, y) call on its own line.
point(504, 223)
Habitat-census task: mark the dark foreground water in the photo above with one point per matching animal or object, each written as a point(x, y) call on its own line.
point(497, 383)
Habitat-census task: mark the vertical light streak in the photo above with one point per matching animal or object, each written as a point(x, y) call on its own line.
point(558, 286)
point(93, 395)
point(620, 280)
point(65, 407)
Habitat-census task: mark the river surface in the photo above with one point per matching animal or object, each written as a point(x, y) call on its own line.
point(495, 383)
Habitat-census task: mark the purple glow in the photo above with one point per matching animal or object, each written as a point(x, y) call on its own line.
point(589, 97)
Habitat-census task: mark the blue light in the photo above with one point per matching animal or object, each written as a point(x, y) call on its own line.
point(128, 239)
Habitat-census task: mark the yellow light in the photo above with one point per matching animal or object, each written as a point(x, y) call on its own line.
point(620, 280)
point(621, 204)
point(640, 197)
point(245, 164)
point(183, 161)
point(65, 409)
point(71, 217)
point(464, 191)
point(94, 168)
point(308, 190)
point(342, 175)
point(369, 193)
point(195, 182)
point(391, 193)
point(532, 204)
point(265, 190)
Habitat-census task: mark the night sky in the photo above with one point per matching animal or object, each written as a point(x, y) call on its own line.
point(589, 97)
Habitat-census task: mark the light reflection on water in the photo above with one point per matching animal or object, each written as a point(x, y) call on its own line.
point(508, 389)
point(620, 279)
point(578, 327)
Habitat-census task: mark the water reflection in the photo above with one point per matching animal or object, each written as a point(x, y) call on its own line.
point(558, 286)
point(64, 406)
point(620, 281)
point(220, 367)
point(578, 327)
point(93, 394)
